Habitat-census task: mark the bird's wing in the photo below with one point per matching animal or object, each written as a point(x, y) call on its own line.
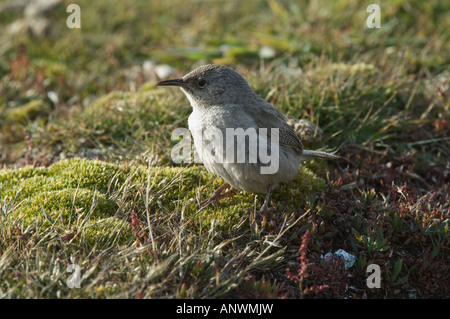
point(267, 116)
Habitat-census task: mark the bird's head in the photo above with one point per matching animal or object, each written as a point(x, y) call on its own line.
point(212, 84)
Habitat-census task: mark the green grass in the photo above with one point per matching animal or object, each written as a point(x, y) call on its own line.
point(87, 178)
point(91, 207)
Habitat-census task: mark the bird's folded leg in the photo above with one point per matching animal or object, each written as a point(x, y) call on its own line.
point(265, 209)
point(218, 195)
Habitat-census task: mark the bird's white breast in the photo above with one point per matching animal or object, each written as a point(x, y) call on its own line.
point(245, 176)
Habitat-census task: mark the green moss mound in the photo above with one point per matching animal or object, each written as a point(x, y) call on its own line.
point(27, 112)
point(89, 195)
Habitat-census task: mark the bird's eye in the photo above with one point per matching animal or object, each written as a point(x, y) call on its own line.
point(201, 83)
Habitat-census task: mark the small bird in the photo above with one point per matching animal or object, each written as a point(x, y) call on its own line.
point(223, 101)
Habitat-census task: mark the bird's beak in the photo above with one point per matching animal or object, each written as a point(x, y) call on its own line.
point(174, 82)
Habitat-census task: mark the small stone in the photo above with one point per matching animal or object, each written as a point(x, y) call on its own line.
point(164, 71)
point(40, 8)
point(266, 52)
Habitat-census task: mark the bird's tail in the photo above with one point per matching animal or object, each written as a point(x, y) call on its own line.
point(318, 154)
